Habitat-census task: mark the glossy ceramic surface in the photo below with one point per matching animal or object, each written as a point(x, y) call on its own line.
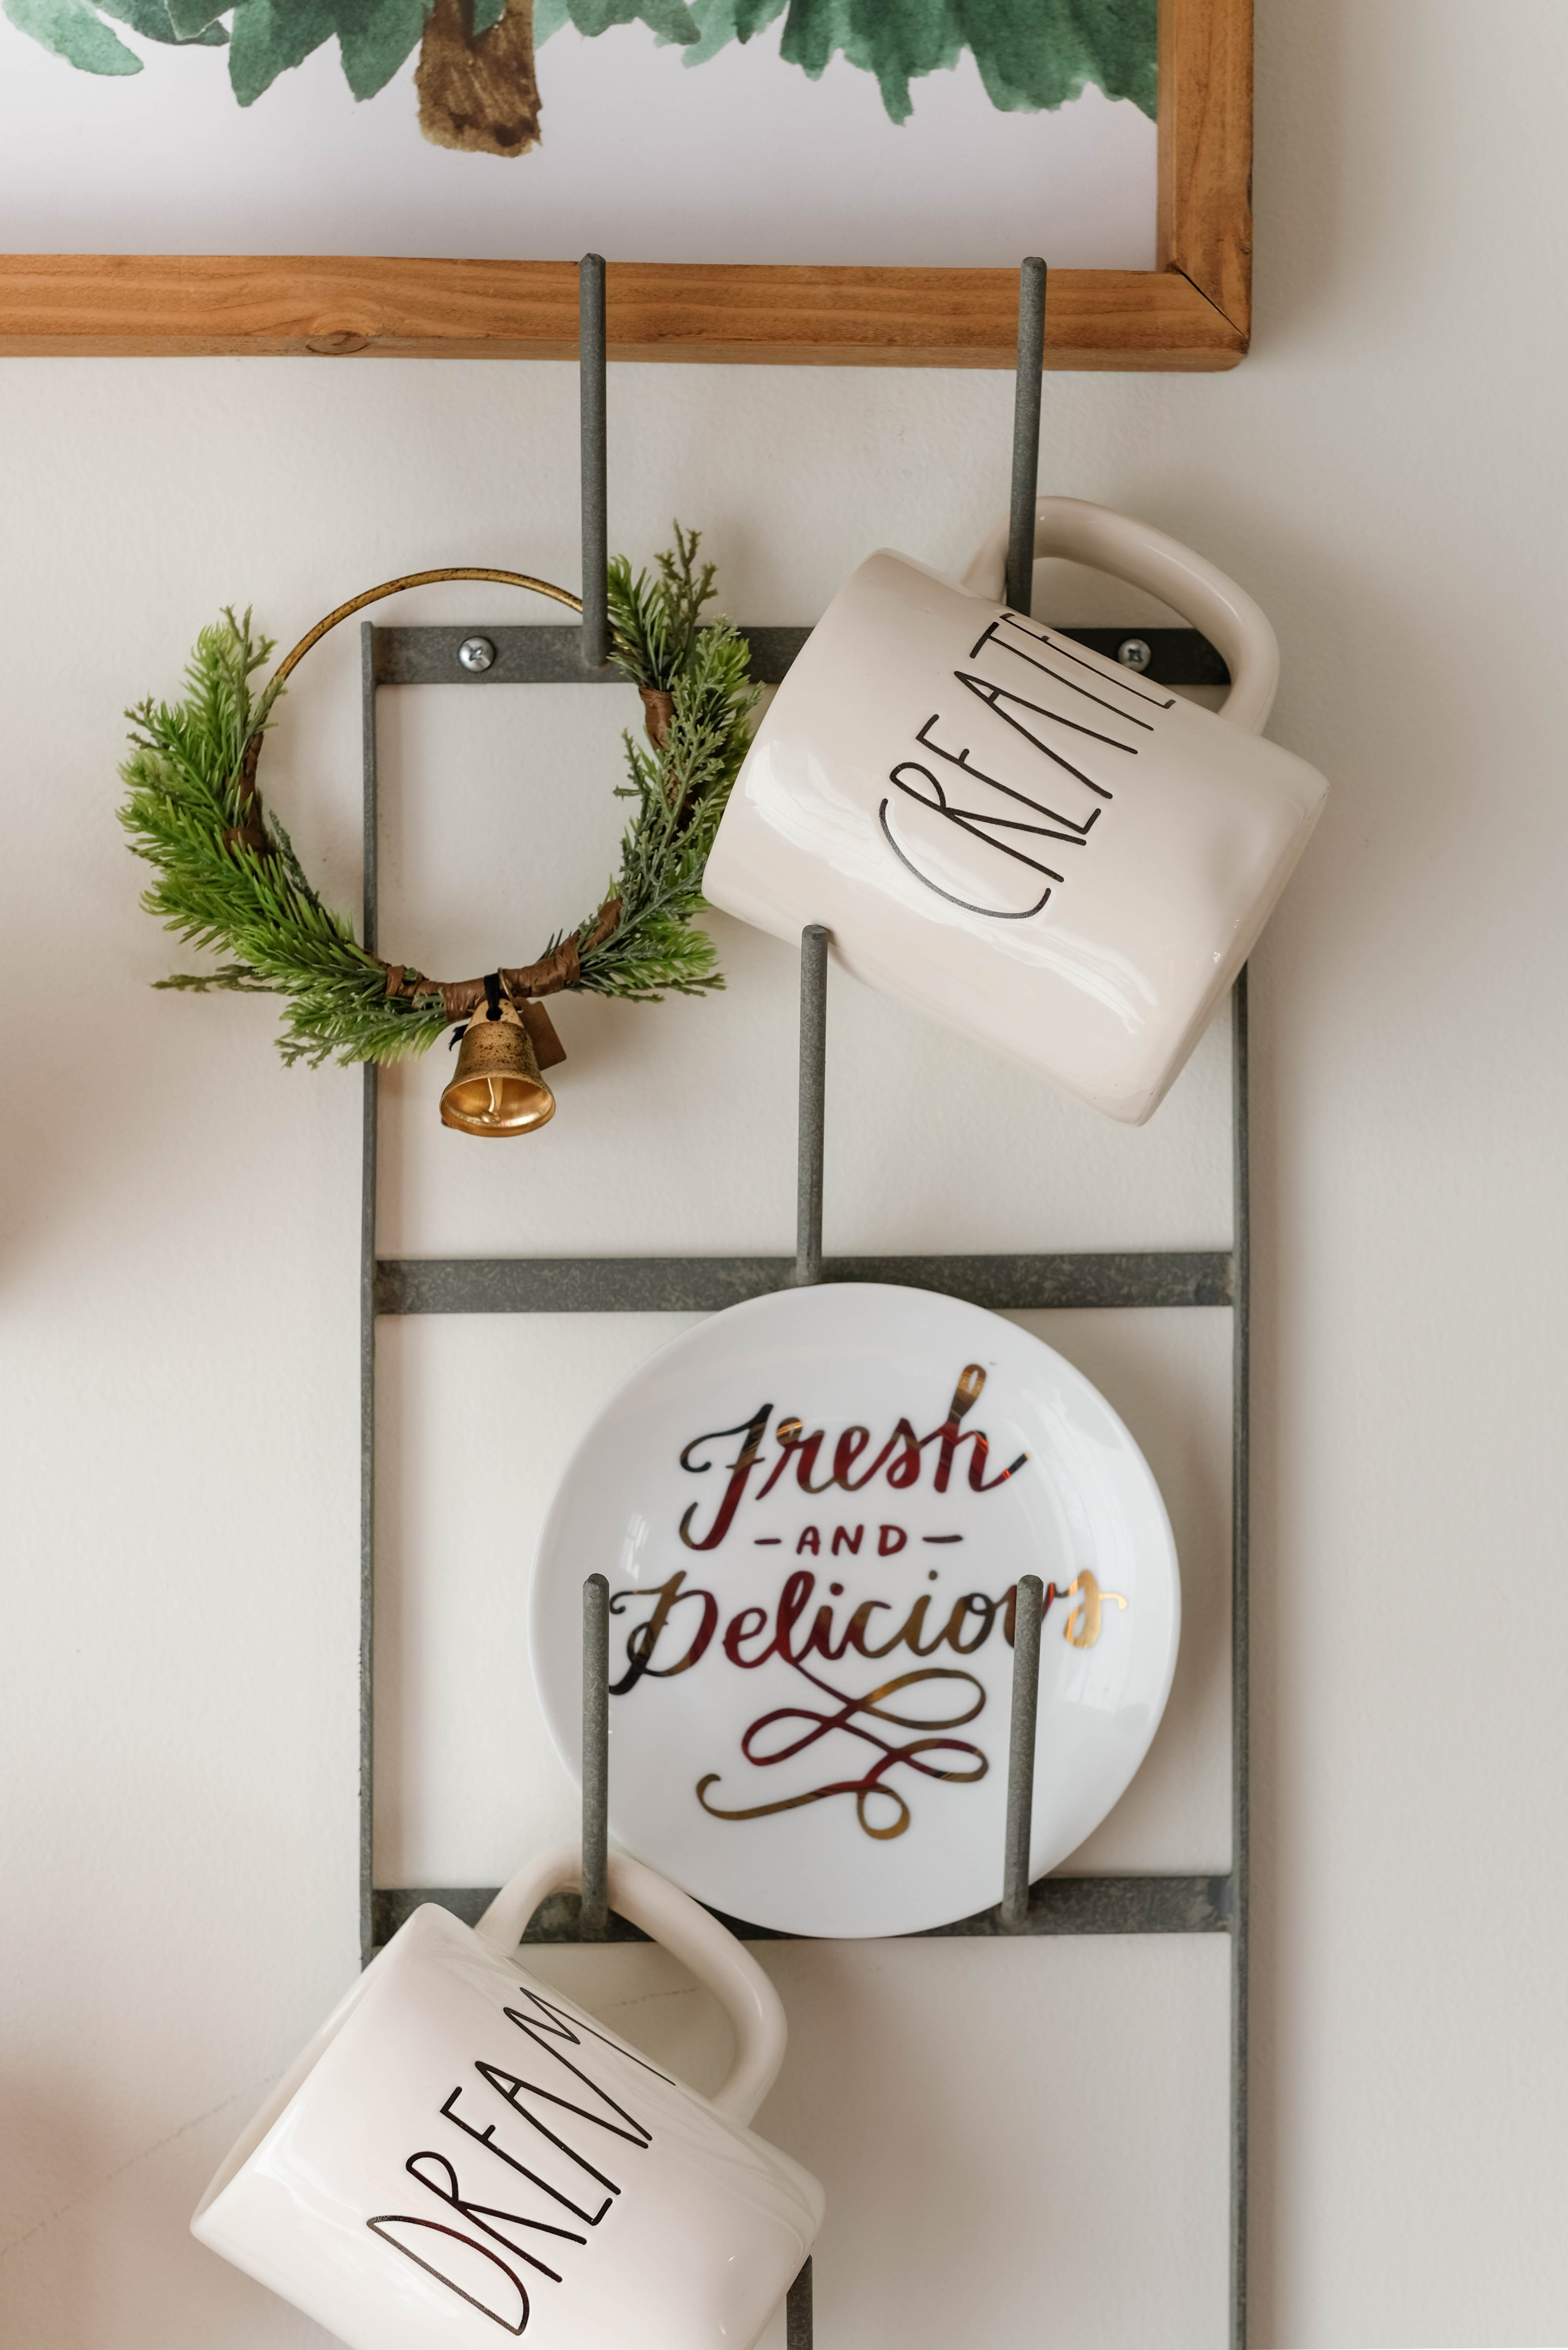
point(1021, 838)
point(814, 1509)
point(462, 2148)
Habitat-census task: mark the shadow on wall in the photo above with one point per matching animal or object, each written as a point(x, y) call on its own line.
point(1306, 232)
point(109, 2264)
point(47, 2153)
point(102, 1107)
point(1371, 694)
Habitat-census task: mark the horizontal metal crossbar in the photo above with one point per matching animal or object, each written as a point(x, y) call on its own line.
point(703, 1284)
point(706, 1285)
point(1057, 1905)
point(537, 656)
point(553, 656)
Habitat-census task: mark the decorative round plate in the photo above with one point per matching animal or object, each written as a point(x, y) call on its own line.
point(814, 1509)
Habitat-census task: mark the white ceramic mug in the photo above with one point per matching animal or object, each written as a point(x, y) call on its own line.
point(1025, 840)
point(460, 2150)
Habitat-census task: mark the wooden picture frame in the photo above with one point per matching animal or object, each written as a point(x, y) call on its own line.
point(1192, 312)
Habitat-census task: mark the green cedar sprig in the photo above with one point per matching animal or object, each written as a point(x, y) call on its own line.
point(654, 622)
point(680, 790)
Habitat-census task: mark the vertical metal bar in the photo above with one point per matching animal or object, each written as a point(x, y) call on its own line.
point(368, 1326)
point(1240, 1640)
point(595, 1758)
point(591, 362)
point(1021, 1751)
point(813, 1104)
point(797, 2311)
point(1026, 432)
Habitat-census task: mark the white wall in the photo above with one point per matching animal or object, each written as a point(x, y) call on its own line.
point(1385, 472)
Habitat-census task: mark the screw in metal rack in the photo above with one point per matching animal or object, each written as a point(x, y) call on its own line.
point(476, 654)
point(1135, 652)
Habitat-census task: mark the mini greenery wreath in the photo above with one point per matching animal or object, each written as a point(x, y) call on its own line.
point(229, 880)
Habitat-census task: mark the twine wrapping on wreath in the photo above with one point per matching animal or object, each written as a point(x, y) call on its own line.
point(549, 976)
point(658, 714)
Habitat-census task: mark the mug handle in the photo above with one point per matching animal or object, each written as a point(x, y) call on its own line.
point(1146, 559)
point(690, 1934)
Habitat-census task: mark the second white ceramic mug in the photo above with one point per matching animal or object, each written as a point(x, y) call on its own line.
point(460, 2150)
point(1027, 841)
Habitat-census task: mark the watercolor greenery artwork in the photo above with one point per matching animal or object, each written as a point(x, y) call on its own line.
point(478, 81)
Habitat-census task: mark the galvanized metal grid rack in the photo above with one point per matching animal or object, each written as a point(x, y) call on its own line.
point(1058, 1904)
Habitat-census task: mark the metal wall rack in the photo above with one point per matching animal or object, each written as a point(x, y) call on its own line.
point(1056, 1904)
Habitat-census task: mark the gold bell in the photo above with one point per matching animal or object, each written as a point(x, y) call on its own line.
point(496, 1087)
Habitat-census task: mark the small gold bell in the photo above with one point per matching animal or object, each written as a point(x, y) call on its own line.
point(496, 1087)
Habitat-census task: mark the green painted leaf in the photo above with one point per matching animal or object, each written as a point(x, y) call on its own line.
point(1032, 54)
point(190, 17)
point(897, 42)
point(752, 16)
point(1042, 54)
point(71, 30)
point(151, 19)
point(549, 16)
point(670, 19)
point(717, 20)
point(374, 36)
point(268, 36)
point(487, 14)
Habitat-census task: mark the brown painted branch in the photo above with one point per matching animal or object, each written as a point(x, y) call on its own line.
point(479, 93)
